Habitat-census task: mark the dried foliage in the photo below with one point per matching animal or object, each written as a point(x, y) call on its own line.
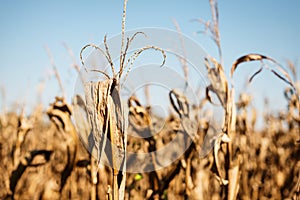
point(43, 159)
point(105, 112)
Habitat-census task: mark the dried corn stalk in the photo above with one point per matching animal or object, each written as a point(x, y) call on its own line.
point(291, 94)
point(279, 71)
point(59, 113)
point(225, 95)
point(106, 113)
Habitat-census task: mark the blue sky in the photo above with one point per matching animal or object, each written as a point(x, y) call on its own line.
point(267, 27)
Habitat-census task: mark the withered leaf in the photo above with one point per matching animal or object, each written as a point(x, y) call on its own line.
point(247, 58)
point(180, 103)
point(218, 81)
point(258, 57)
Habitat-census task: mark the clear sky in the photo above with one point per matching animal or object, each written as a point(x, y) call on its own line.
point(268, 27)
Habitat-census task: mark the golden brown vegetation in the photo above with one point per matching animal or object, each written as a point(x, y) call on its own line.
point(43, 159)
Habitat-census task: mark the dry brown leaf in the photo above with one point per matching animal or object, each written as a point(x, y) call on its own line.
point(218, 81)
point(258, 57)
point(217, 145)
point(247, 58)
point(180, 103)
point(60, 114)
point(234, 173)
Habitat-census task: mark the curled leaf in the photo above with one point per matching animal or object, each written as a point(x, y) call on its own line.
point(181, 106)
point(218, 81)
point(138, 115)
point(257, 72)
point(247, 58)
point(283, 75)
point(282, 78)
point(210, 89)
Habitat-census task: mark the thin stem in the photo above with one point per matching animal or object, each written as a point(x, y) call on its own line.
point(55, 71)
point(123, 34)
point(115, 185)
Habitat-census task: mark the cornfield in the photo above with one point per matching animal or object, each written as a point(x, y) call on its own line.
point(43, 157)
